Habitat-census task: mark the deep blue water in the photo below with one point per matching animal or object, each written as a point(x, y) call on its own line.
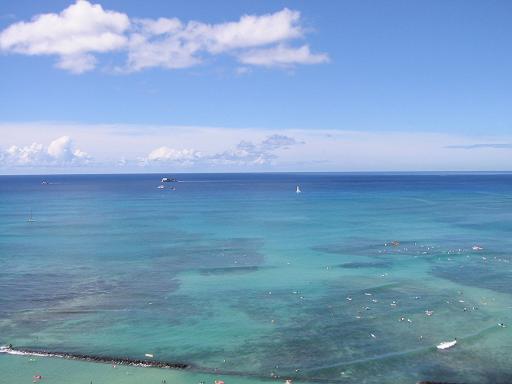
point(238, 272)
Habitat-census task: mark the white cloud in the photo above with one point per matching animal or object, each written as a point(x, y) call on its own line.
point(159, 26)
point(282, 56)
point(167, 52)
point(170, 155)
point(248, 153)
point(171, 44)
point(28, 155)
point(79, 30)
point(83, 30)
point(60, 152)
point(245, 153)
point(77, 63)
point(251, 31)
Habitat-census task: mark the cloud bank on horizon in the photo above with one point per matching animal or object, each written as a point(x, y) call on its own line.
point(79, 34)
point(45, 147)
point(245, 153)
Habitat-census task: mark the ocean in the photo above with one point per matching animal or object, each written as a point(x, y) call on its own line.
point(354, 280)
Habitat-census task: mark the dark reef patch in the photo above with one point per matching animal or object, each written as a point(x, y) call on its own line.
point(357, 265)
point(383, 251)
point(479, 271)
point(211, 253)
point(228, 270)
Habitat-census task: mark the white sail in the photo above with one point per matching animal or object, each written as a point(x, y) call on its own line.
point(298, 190)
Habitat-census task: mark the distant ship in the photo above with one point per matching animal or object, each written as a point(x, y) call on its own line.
point(168, 180)
point(30, 218)
point(298, 190)
point(160, 187)
point(44, 182)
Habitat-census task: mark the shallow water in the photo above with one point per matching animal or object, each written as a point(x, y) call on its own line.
point(239, 273)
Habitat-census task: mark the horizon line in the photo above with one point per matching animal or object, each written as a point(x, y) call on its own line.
point(455, 172)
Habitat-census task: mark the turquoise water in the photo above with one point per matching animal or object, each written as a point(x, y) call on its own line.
point(241, 275)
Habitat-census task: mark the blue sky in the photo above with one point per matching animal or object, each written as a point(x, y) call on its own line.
point(331, 85)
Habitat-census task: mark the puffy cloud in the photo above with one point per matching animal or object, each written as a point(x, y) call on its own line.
point(60, 152)
point(79, 30)
point(171, 155)
point(171, 44)
point(28, 155)
point(168, 52)
point(282, 56)
point(83, 29)
point(251, 31)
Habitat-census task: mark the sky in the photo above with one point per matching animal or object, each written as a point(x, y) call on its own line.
point(119, 86)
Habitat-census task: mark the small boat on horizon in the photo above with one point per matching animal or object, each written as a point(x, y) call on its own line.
point(168, 180)
point(30, 218)
point(298, 190)
point(160, 187)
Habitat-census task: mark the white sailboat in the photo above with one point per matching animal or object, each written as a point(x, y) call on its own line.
point(30, 218)
point(298, 190)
